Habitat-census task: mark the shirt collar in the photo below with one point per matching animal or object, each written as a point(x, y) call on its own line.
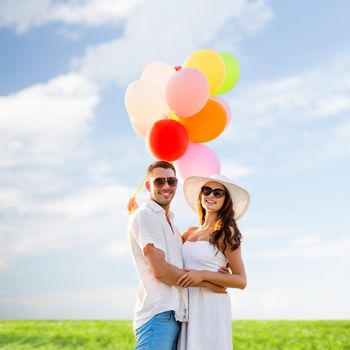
point(156, 207)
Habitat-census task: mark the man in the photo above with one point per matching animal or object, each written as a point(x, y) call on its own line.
point(156, 242)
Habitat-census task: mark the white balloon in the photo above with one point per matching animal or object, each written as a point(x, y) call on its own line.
point(158, 71)
point(145, 102)
point(140, 129)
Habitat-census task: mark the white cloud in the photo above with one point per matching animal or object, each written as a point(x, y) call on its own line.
point(260, 11)
point(253, 233)
point(116, 249)
point(93, 12)
point(97, 303)
point(34, 13)
point(12, 199)
point(33, 181)
point(274, 300)
point(89, 202)
point(152, 33)
point(93, 217)
point(307, 301)
point(24, 14)
point(292, 123)
point(309, 247)
point(2, 264)
point(235, 170)
point(338, 143)
point(323, 92)
point(44, 120)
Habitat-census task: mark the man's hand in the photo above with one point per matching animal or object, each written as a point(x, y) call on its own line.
point(132, 205)
point(191, 278)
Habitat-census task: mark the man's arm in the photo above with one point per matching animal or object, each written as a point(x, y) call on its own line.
point(162, 270)
point(236, 279)
point(168, 273)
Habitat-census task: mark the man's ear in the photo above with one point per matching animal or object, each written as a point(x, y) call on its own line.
point(147, 184)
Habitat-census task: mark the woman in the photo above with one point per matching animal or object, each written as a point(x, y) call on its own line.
point(215, 243)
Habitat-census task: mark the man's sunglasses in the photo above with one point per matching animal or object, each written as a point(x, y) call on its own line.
point(160, 181)
point(218, 192)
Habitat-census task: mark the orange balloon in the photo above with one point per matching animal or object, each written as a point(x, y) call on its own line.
point(207, 124)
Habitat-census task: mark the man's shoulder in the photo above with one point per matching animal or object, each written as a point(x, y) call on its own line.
point(144, 210)
point(149, 208)
point(142, 213)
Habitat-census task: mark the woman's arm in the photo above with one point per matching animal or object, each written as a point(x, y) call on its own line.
point(204, 284)
point(237, 279)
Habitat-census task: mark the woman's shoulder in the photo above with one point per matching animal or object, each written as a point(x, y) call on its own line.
point(187, 233)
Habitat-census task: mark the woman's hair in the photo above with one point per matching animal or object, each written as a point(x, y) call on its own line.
point(226, 231)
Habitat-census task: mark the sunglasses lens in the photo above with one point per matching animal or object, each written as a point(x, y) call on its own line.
point(172, 181)
point(160, 181)
point(218, 193)
point(206, 190)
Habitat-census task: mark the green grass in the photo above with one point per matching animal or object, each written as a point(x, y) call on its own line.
point(118, 335)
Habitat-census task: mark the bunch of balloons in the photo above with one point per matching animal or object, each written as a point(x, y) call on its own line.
point(177, 109)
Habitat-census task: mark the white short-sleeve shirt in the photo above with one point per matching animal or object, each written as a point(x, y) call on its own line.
point(147, 225)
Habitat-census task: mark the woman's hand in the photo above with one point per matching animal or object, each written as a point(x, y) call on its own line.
point(132, 205)
point(190, 278)
point(214, 287)
point(225, 270)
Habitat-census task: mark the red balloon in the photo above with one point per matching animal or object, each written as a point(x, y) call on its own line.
point(177, 67)
point(167, 140)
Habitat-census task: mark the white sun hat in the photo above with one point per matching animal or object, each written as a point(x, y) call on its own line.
point(193, 184)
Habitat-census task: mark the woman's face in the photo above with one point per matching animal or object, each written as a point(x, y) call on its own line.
point(213, 196)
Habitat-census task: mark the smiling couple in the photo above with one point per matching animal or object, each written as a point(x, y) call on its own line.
point(182, 300)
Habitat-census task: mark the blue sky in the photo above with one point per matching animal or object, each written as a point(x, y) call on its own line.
point(69, 159)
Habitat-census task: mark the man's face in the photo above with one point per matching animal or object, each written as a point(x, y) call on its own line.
point(162, 194)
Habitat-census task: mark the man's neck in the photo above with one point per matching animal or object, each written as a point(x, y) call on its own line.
point(165, 207)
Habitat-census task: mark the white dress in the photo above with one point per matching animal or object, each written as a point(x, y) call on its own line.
point(209, 317)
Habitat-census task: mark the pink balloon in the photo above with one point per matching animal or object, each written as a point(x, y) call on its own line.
point(187, 92)
point(198, 160)
point(226, 107)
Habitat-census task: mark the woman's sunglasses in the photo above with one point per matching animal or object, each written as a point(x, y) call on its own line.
point(218, 192)
point(160, 181)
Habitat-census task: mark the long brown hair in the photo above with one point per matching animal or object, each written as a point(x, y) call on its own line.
point(226, 231)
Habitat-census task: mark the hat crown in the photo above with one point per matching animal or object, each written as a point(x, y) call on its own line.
point(220, 178)
point(193, 184)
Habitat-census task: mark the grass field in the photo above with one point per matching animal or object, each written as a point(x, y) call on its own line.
point(118, 335)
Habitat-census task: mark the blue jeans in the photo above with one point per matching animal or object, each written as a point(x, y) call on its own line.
point(159, 333)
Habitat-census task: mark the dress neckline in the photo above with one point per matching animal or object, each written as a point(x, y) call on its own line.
point(202, 240)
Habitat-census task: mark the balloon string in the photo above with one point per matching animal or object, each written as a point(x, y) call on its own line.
point(132, 202)
point(139, 188)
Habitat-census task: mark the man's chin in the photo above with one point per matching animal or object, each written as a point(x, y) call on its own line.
point(165, 200)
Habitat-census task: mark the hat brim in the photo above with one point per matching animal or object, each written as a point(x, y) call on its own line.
point(240, 197)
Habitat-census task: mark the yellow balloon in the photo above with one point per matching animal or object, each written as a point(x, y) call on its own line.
point(173, 116)
point(211, 64)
